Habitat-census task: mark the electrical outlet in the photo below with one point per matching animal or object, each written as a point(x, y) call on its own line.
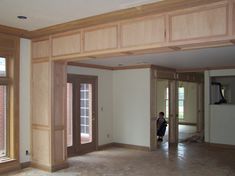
point(108, 135)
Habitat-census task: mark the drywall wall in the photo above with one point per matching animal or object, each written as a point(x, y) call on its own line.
point(161, 86)
point(222, 124)
point(131, 106)
point(219, 119)
point(105, 99)
point(190, 102)
point(25, 60)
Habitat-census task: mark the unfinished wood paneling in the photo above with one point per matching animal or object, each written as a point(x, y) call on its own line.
point(59, 91)
point(233, 20)
point(40, 93)
point(7, 43)
point(40, 49)
point(41, 147)
point(60, 146)
point(165, 75)
point(201, 23)
point(66, 44)
point(145, 31)
point(59, 104)
point(100, 38)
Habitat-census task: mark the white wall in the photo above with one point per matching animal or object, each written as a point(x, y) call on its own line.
point(25, 59)
point(105, 100)
point(131, 106)
point(219, 119)
point(161, 91)
point(190, 102)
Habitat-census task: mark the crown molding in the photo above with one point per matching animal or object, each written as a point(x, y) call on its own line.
point(142, 10)
point(124, 14)
point(14, 31)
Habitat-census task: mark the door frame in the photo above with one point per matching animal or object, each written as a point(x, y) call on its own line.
point(95, 79)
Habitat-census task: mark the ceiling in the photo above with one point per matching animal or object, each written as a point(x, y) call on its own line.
point(45, 13)
point(194, 59)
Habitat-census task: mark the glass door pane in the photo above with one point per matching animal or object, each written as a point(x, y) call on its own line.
point(69, 114)
point(86, 113)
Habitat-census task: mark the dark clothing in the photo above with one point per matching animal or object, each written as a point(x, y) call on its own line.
point(161, 127)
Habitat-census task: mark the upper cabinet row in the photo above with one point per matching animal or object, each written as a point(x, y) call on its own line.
point(193, 24)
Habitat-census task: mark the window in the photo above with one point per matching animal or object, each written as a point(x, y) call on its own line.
point(181, 102)
point(167, 102)
point(3, 107)
point(85, 113)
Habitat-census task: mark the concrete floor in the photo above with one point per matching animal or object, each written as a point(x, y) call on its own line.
point(182, 160)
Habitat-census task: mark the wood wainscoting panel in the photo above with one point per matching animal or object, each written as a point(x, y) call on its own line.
point(41, 147)
point(233, 19)
point(40, 49)
point(59, 146)
point(104, 38)
point(198, 23)
point(66, 44)
point(40, 93)
point(144, 31)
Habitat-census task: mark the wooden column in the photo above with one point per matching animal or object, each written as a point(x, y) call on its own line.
point(48, 92)
point(173, 112)
point(200, 106)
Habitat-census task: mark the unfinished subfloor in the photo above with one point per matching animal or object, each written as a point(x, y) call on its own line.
point(192, 159)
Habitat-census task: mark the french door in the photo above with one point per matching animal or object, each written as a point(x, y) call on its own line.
point(81, 114)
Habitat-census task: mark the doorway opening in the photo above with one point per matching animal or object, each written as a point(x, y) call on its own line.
point(187, 110)
point(162, 102)
point(81, 114)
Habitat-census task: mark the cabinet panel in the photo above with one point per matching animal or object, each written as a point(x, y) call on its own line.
point(40, 49)
point(100, 39)
point(69, 44)
point(144, 31)
point(41, 146)
point(40, 94)
point(199, 24)
point(233, 20)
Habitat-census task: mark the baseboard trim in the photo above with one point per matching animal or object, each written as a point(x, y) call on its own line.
point(187, 123)
point(9, 166)
point(121, 145)
point(41, 167)
point(105, 146)
point(60, 166)
point(25, 165)
point(222, 146)
point(130, 146)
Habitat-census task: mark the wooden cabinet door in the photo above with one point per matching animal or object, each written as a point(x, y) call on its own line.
point(199, 23)
point(40, 49)
point(66, 44)
point(97, 39)
point(148, 30)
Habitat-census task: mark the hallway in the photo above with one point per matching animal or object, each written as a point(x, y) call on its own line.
point(186, 159)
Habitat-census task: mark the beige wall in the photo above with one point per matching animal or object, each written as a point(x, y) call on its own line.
point(219, 119)
point(190, 104)
point(131, 104)
point(161, 86)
